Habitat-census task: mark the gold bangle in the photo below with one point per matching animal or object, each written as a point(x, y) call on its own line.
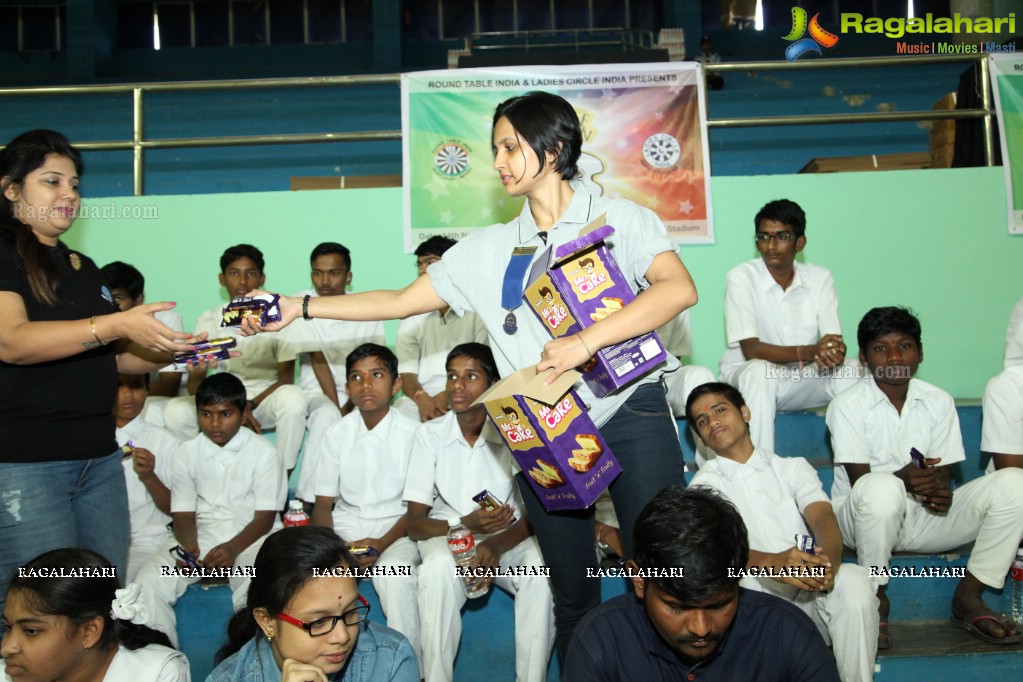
point(92, 326)
point(580, 337)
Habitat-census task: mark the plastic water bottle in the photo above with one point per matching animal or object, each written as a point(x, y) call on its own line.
point(1016, 575)
point(295, 516)
point(463, 549)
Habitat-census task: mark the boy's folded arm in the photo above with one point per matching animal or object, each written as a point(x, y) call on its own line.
point(420, 525)
point(262, 523)
point(185, 531)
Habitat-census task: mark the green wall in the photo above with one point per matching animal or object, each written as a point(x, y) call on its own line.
point(935, 240)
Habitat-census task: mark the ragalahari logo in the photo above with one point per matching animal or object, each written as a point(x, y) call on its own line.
point(818, 36)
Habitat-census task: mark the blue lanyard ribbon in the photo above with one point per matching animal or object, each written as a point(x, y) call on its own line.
point(511, 290)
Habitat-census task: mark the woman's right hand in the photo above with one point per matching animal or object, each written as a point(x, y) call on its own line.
point(139, 325)
point(293, 671)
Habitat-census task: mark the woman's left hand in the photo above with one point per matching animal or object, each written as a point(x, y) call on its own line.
point(561, 355)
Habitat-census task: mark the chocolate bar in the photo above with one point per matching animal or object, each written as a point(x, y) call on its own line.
point(361, 550)
point(127, 450)
point(804, 543)
point(260, 309)
point(187, 557)
point(918, 458)
point(486, 500)
point(215, 348)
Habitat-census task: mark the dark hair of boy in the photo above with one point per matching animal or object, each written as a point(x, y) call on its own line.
point(729, 393)
point(221, 388)
point(327, 248)
point(434, 246)
point(880, 322)
point(374, 350)
point(124, 379)
point(120, 275)
point(233, 253)
point(785, 212)
point(695, 529)
point(478, 352)
point(549, 125)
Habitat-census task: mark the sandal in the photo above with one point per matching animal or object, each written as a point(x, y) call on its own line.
point(884, 640)
point(969, 623)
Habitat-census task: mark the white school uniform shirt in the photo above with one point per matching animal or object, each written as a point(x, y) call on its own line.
point(151, 663)
point(1014, 337)
point(1002, 428)
point(757, 307)
point(335, 338)
point(226, 486)
point(365, 470)
point(771, 493)
point(446, 472)
point(257, 366)
point(146, 519)
point(424, 342)
point(867, 429)
point(676, 335)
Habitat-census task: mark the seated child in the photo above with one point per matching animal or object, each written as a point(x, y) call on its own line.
point(1002, 429)
point(228, 487)
point(780, 498)
point(147, 471)
point(885, 503)
point(361, 474)
point(451, 462)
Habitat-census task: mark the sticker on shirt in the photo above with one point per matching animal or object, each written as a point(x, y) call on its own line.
point(105, 293)
point(588, 276)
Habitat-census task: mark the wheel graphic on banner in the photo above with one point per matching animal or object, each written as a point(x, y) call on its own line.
point(662, 151)
point(451, 159)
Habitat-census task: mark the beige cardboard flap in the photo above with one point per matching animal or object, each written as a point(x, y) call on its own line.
point(583, 242)
point(529, 383)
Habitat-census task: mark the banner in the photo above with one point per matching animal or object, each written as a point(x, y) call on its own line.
point(644, 139)
point(1007, 82)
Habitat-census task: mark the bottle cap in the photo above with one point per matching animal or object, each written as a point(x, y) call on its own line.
point(295, 504)
point(454, 522)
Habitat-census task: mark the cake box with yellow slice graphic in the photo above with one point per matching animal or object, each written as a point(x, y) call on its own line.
point(577, 284)
point(552, 438)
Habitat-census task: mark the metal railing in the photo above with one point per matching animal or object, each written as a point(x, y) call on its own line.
point(625, 38)
point(139, 143)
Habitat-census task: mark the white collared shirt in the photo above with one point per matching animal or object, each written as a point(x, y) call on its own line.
point(365, 470)
point(757, 307)
point(1014, 337)
point(446, 472)
point(424, 342)
point(146, 518)
point(676, 335)
point(257, 366)
point(1002, 428)
point(226, 486)
point(335, 338)
point(867, 429)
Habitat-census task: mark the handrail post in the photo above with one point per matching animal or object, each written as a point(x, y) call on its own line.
point(136, 141)
point(985, 100)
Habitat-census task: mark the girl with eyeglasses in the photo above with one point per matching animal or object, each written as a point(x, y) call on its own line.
point(305, 620)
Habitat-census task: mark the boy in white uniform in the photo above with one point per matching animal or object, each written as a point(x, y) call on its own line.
point(886, 503)
point(228, 486)
point(780, 498)
point(147, 471)
point(359, 480)
point(785, 348)
point(451, 462)
point(1002, 429)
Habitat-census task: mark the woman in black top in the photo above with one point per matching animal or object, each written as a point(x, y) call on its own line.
point(61, 345)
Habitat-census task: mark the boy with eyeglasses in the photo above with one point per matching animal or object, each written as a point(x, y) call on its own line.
point(785, 348)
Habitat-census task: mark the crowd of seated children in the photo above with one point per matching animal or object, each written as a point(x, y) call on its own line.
point(1002, 429)
point(81, 625)
point(424, 341)
point(781, 499)
point(781, 317)
point(147, 471)
point(266, 366)
point(128, 289)
point(321, 347)
point(359, 479)
point(885, 502)
point(304, 619)
point(453, 459)
point(229, 487)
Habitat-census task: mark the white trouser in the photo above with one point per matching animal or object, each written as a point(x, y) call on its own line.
point(441, 600)
point(141, 547)
point(679, 385)
point(284, 410)
point(322, 414)
point(397, 593)
point(879, 518)
point(160, 593)
point(769, 387)
point(846, 617)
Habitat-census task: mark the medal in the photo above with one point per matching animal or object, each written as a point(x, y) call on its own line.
point(510, 325)
point(76, 260)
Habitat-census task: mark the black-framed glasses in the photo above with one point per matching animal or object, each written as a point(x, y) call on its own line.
point(324, 626)
point(781, 237)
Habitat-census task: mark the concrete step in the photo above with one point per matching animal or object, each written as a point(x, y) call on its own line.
point(937, 651)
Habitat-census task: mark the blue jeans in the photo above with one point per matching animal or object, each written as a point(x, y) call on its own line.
point(644, 438)
point(49, 505)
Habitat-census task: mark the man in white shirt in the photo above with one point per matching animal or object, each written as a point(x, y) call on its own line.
point(886, 502)
point(425, 340)
point(321, 346)
point(452, 461)
point(785, 348)
point(359, 480)
point(781, 499)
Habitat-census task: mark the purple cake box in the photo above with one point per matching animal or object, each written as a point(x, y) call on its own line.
point(580, 284)
point(551, 436)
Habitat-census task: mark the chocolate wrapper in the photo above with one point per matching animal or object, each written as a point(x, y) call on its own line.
point(804, 543)
point(918, 458)
point(215, 348)
point(263, 309)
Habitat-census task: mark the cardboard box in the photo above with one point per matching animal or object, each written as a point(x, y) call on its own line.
point(579, 284)
point(557, 445)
